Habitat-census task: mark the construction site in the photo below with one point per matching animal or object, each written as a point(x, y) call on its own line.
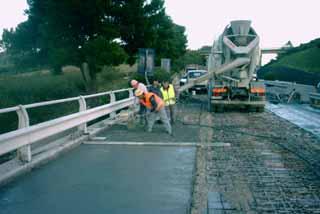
point(243, 146)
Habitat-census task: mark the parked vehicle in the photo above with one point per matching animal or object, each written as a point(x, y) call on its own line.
point(194, 74)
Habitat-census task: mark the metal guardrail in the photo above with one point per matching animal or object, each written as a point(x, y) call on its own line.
point(315, 96)
point(25, 135)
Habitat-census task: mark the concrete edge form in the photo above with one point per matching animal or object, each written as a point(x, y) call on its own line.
point(193, 182)
point(182, 144)
point(198, 182)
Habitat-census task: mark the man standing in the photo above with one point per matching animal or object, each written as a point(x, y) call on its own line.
point(169, 98)
point(155, 88)
point(155, 108)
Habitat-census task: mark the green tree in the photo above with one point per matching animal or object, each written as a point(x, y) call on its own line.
point(144, 24)
point(190, 57)
point(63, 30)
point(95, 31)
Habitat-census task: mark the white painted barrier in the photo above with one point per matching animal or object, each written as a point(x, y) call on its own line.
point(25, 135)
point(315, 96)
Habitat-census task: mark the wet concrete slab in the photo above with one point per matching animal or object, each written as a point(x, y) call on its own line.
point(105, 179)
point(303, 116)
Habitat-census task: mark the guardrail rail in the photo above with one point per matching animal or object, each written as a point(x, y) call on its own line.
point(25, 135)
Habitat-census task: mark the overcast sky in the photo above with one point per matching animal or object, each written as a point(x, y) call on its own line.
point(12, 13)
point(276, 21)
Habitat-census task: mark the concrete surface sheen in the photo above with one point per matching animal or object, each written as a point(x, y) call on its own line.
point(105, 179)
point(181, 133)
point(303, 116)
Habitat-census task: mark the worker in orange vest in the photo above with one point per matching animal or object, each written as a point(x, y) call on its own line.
point(155, 109)
point(142, 110)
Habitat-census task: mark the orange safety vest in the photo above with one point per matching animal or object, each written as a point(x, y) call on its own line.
point(147, 103)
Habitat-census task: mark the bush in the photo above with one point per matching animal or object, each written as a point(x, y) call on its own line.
point(159, 74)
point(162, 75)
point(25, 89)
point(288, 74)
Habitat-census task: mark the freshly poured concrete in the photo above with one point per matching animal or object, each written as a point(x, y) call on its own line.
point(181, 133)
point(105, 179)
point(303, 116)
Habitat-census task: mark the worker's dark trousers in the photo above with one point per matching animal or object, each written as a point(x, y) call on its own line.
point(170, 109)
point(152, 117)
point(142, 113)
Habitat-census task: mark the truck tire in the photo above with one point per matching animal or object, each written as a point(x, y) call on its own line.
point(260, 109)
point(220, 108)
point(252, 109)
point(210, 107)
point(214, 108)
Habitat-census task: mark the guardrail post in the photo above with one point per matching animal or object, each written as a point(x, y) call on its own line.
point(24, 153)
point(134, 107)
point(83, 107)
point(131, 92)
point(112, 100)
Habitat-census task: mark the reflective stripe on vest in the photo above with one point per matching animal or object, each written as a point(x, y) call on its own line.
point(169, 96)
point(147, 103)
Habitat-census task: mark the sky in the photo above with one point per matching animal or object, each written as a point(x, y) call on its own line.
point(276, 21)
point(12, 13)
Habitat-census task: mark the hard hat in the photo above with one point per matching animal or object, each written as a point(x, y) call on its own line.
point(134, 82)
point(138, 93)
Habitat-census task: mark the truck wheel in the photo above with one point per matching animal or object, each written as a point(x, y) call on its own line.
point(220, 109)
point(210, 107)
point(252, 109)
point(260, 109)
point(214, 108)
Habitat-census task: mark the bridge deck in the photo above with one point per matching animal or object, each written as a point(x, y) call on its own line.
point(266, 165)
point(112, 178)
point(303, 116)
point(106, 179)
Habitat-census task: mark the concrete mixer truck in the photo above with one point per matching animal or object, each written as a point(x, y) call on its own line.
point(232, 65)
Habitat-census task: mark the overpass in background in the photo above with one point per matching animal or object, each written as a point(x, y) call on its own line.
point(277, 50)
point(267, 50)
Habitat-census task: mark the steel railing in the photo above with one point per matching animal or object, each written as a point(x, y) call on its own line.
point(315, 96)
point(25, 135)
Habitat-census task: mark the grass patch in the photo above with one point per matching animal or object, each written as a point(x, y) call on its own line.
point(42, 86)
point(38, 87)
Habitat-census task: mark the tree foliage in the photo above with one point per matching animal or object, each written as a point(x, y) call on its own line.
point(300, 64)
point(190, 57)
point(145, 24)
point(99, 32)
